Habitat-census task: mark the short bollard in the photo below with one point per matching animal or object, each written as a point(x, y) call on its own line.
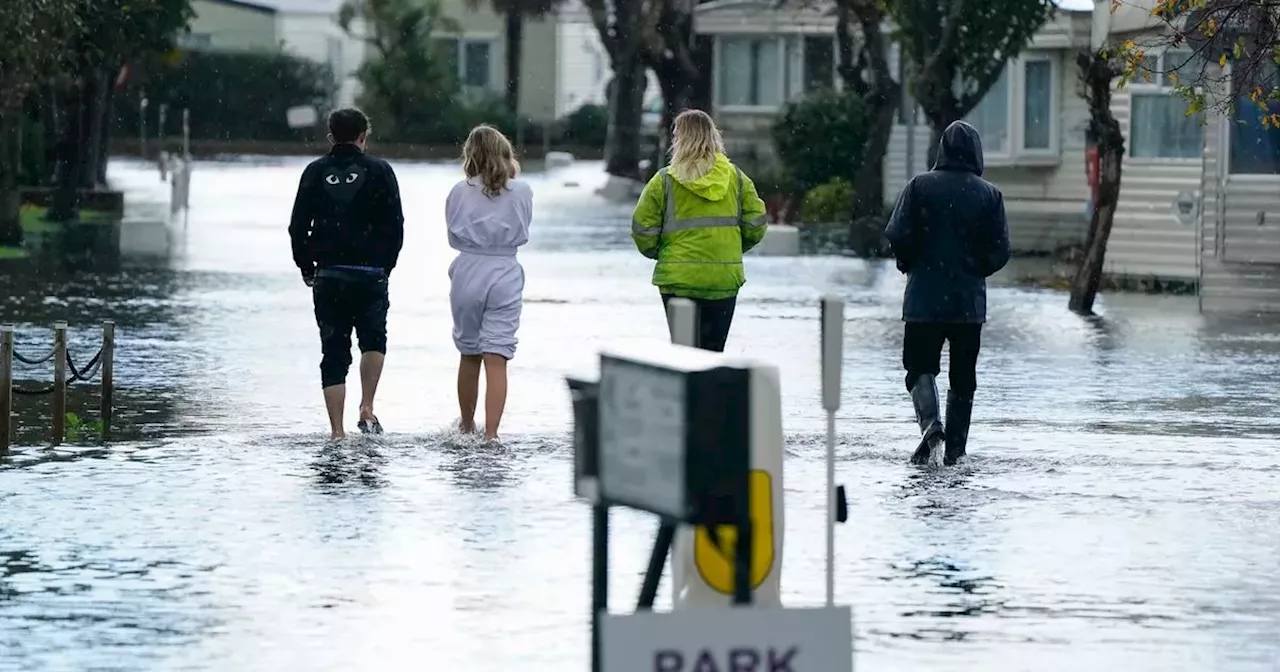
point(108, 374)
point(65, 373)
point(6, 388)
point(59, 382)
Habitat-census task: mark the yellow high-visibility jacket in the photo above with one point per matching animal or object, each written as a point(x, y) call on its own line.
point(698, 230)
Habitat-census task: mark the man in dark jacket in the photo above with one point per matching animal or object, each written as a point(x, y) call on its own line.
point(347, 230)
point(949, 234)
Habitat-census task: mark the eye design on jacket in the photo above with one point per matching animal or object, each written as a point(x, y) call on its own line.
point(352, 177)
point(331, 179)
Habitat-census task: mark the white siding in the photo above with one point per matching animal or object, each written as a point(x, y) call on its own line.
point(1239, 269)
point(319, 38)
point(1146, 238)
point(583, 67)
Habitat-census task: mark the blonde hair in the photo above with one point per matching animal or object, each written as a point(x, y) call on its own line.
point(488, 154)
point(695, 142)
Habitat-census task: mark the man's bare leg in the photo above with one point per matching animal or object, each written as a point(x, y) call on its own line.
point(495, 393)
point(468, 391)
point(370, 374)
point(335, 397)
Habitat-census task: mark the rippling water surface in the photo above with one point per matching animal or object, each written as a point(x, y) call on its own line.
point(1119, 512)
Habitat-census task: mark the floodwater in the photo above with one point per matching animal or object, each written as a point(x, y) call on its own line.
point(1120, 510)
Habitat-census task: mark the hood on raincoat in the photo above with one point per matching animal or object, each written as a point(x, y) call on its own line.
point(960, 149)
point(712, 185)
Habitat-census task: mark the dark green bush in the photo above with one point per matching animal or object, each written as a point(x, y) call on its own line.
point(586, 126)
point(232, 96)
point(820, 137)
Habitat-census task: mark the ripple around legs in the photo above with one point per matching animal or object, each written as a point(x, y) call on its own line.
point(1118, 509)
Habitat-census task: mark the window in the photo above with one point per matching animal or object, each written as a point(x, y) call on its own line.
point(749, 72)
point(991, 117)
point(1255, 146)
point(819, 63)
point(1159, 127)
point(469, 59)
point(1037, 105)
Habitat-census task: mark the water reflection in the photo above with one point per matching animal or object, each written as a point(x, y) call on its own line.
point(356, 460)
point(1118, 509)
point(479, 465)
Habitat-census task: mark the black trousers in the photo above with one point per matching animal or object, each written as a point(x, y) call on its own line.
point(346, 300)
point(715, 316)
point(922, 353)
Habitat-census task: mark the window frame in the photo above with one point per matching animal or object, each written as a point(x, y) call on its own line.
point(1018, 154)
point(1157, 87)
point(462, 39)
point(1054, 150)
point(780, 43)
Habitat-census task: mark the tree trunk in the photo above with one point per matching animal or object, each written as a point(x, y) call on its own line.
point(92, 151)
point(866, 227)
point(677, 94)
point(71, 150)
point(515, 47)
point(941, 114)
point(1105, 130)
point(10, 161)
point(104, 135)
point(626, 98)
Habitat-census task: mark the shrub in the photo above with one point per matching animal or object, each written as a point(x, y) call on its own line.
point(820, 137)
point(828, 203)
point(232, 96)
point(586, 126)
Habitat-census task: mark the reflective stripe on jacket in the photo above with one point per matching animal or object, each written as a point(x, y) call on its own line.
point(697, 231)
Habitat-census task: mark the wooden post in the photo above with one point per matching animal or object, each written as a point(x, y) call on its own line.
point(59, 382)
point(108, 372)
point(6, 388)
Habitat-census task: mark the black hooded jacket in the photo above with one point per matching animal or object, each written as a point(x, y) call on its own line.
point(347, 213)
point(949, 233)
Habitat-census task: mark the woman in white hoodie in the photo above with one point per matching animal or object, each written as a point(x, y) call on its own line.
point(488, 216)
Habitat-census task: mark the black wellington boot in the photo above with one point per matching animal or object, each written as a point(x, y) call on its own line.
point(924, 396)
point(959, 411)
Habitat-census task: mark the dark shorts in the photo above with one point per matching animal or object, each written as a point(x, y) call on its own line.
point(347, 300)
point(715, 316)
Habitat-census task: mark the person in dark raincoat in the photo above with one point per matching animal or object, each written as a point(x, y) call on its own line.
point(948, 233)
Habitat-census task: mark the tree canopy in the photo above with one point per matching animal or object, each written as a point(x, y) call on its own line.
point(960, 48)
point(1234, 48)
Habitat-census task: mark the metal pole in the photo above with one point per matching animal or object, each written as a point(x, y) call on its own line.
point(6, 387)
point(682, 320)
point(599, 579)
point(142, 126)
point(59, 382)
point(108, 374)
point(186, 134)
point(162, 129)
point(657, 558)
point(832, 347)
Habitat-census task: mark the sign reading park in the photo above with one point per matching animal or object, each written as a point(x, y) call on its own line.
point(741, 639)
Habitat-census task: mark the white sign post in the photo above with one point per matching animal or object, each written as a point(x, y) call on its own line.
point(832, 372)
point(753, 639)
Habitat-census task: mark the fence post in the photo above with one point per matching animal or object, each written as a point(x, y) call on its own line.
point(108, 372)
point(59, 382)
point(6, 388)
